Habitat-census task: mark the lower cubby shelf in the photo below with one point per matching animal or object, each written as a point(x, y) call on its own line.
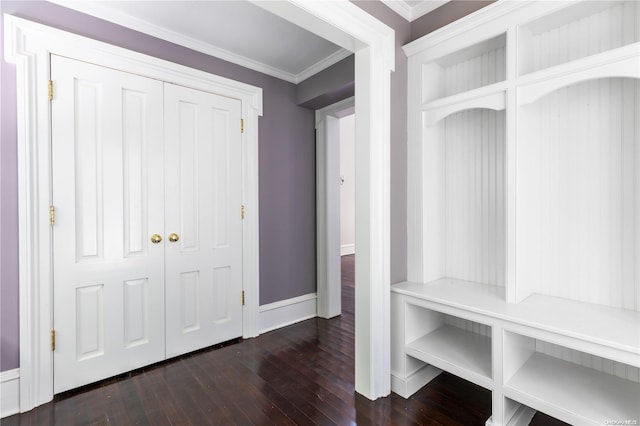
point(463, 353)
point(573, 393)
point(545, 353)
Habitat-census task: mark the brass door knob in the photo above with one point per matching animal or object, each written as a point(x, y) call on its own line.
point(156, 238)
point(173, 237)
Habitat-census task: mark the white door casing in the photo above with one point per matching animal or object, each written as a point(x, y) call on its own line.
point(203, 198)
point(109, 278)
point(328, 206)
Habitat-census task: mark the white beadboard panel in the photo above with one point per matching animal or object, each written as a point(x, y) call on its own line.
point(221, 185)
point(577, 194)
point(9, 392)
point(88, 170)
point(188, 140)
point(474, 196)
point(136, 312)
point(476, 66)
point(468, 325)
point(134, 136)
point(618, 369)
point(576, 32)
point(90, 322)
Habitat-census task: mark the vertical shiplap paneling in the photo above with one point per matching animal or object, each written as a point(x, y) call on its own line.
point(624, 371)
point(468, 325)
point(475, 201)
point(578, 31)
point(477, 71)
point(577, 193)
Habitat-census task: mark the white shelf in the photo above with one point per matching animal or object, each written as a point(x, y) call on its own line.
point(467, 295)
point(601, 330)
point(620, 62)
point(460, 352)
point(488, 97)
point(479, 65)
point(572, 393)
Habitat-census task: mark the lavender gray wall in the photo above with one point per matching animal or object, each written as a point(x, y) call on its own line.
point(286, 161)
point(444, 15)
point(328, 86)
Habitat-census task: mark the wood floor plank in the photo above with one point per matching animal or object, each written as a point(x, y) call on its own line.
point(297, 375)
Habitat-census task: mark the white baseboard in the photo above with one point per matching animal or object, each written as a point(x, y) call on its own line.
point(286, 312)
point(410, 385)
point(347, 249)
point(9, 392)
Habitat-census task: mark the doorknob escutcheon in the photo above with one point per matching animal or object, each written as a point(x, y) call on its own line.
point(156, 238)
point(173, 237)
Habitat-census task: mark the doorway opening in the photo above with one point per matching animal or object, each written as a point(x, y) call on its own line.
point(329, 127)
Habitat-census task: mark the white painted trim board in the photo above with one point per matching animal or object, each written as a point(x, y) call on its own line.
point(286, 312)
point(347, 249)
point(9, 392)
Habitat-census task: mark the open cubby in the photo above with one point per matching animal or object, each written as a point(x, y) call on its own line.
point(579, 194)
point(472, 67)
point(569, 384)
point(453, 344)
point(583, 29)
point(468, 231)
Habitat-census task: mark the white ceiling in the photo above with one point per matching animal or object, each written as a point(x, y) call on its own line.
point(237, 31)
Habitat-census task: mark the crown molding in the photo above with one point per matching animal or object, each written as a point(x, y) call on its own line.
point(425, 7)
point(411, 13)
point(401, 7)
point(323, 64)
point(145, 27)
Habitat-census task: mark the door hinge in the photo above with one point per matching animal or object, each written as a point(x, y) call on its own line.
point(53, 340)
point(242, 125)
point(242, 212)
point(52, 215)
point(242, 297)
point(50, 90)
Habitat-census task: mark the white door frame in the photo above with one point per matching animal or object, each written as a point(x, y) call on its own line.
point(29, 46)
point(350, 27)
point(327, 205)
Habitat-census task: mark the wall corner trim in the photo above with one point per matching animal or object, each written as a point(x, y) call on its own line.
point(9, 392)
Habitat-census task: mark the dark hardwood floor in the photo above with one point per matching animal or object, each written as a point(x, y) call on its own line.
point(301, 374)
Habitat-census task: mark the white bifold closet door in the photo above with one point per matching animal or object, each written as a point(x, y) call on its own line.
point(135, 158)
